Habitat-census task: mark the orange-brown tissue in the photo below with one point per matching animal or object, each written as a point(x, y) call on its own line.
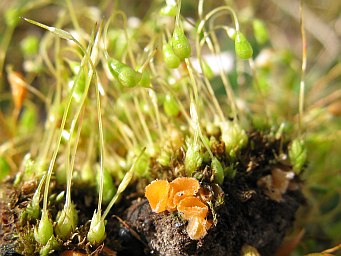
point(180, 195)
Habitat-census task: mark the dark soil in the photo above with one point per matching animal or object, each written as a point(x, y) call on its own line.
point(245, 214)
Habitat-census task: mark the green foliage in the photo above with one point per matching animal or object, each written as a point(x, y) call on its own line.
point(218, 171)
point(44, 232)
point(96, 234)
point(234, 137)
point(67, 220)
point(4, 168)
point(297, 154)
point(193, 158)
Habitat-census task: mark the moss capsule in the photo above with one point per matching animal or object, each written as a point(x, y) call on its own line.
point(180, 44)
point(242, 46)
point(125, 75)
point(171, 60)
point(170, 106)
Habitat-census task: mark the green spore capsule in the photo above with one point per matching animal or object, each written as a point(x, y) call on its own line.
point(170, 106)
point(44, 232)
point(125, 75)
point(242, 46)
point(96, 234)
point(217, 170)
point(67, 221)
point(171, 60)
point(180, 44)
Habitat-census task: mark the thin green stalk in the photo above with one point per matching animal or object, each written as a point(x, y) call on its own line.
point(303, 69)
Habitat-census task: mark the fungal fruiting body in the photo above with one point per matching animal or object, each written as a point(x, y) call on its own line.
point(180, 195)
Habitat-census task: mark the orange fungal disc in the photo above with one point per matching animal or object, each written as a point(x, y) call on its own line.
point(181, 188)
point(197, 228)
point(157, 195)
point(192, 207)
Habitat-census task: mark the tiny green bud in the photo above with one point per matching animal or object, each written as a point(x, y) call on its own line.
point(180, 44)
point(67, 220)
point(44, 232)
point(171, 60)
point(51, 245)
point(125, 75)
point(217, 170)
point(248, 250)
point(242, 46)
point(261, 33)
point(233, 136)
point(4, 168)
point(193, 159)
point(297, 154)
point(96, 234)
point(33, 208)
point(170, 106)
point(29, 46)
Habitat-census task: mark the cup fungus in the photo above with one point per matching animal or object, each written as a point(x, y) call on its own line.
point(192, 207)
point(197, 228)
point(180, 195)
point(157, 195)
point(179, 189)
